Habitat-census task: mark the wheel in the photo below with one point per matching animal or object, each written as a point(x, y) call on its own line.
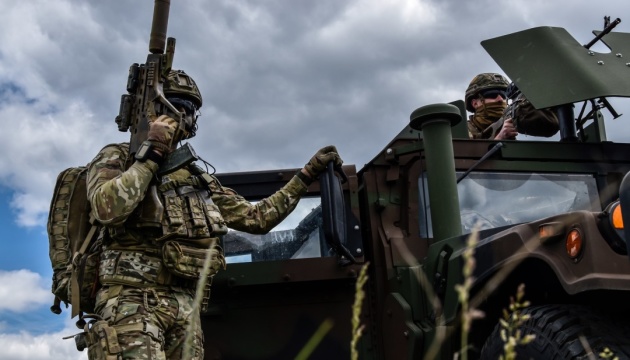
point(558, 329)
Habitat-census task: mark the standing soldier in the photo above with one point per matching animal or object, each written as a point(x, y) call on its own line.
point(156, 230)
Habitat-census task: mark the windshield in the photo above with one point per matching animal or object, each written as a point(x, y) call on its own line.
point(298, 236)
point(492, 199)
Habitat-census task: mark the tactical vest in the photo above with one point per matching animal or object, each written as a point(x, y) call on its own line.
point(166, 238)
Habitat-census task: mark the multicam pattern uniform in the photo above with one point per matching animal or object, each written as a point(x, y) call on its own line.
point(148, 306)
point(490, 132)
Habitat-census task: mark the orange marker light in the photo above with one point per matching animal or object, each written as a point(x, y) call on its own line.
point(574, 243)
point(617, 220)
point(550, 231)
point(545, 231)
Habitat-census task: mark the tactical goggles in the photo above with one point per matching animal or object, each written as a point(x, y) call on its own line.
point(493, 93)
point(187, 105)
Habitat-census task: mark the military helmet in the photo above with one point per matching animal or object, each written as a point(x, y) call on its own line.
point(484, 81)
point(181, 85)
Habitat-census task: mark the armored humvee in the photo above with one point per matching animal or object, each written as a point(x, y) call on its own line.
point(547, 214)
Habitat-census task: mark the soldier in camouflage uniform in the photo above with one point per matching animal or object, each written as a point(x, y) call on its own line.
point(493, 118)
point(486, 99)
point(157, 231)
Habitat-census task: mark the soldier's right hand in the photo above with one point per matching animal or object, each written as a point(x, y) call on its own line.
point(508, 131)
point(162, 130)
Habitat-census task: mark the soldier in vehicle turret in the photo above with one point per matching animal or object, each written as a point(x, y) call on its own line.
point(486, 97)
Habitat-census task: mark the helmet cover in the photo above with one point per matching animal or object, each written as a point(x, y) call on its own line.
point(181, 85)
point(481, 82)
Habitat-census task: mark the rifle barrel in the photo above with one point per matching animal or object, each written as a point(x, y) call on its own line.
point(159, 26)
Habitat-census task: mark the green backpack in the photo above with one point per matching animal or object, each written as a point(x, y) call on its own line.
point(73, 251)
point(74, 247)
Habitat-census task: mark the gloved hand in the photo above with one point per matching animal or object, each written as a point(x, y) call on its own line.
point(508, 131)
point(318, 162)
point(161, 130)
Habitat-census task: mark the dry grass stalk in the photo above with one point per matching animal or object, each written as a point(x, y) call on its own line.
point(201, 284)
point(469, 313)
point(357, 328)
point(511, 323)
point(314, 341)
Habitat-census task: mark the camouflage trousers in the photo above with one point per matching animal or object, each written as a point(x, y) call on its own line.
point(150, 323)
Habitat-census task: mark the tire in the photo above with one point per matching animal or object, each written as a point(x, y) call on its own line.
point(558, 329)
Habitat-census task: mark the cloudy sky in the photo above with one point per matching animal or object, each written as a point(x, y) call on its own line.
point(279, 78)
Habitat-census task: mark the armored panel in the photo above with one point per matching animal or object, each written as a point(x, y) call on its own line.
point(551, 68)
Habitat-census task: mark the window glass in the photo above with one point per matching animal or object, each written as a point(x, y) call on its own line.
point(298, 236)
point(492, 199)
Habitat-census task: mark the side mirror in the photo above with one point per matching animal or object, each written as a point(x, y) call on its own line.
point(334, 213)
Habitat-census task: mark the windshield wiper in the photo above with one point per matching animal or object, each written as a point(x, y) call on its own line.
point(494, 149)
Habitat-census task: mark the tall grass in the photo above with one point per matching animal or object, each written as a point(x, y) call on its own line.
point(468, 313)
point(314, 341)
point(199, 292)
point(359, 296)
point(511, 323)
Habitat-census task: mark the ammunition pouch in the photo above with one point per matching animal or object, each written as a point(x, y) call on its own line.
point(190, 213)
point(130, 267)
point(101, 340)
point(185, 261)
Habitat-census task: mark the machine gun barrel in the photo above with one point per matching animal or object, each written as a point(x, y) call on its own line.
point(606, 30)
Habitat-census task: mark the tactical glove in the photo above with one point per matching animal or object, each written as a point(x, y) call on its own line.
point(161, 130)
point(508, 131)
point(318, 162)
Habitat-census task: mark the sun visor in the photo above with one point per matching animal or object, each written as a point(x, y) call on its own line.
point(551, 68)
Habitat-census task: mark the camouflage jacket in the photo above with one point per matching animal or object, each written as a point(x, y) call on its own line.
point(527, 120)
point(115, 193)
point(488, 133)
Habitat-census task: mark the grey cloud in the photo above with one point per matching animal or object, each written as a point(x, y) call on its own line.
point(279, 79)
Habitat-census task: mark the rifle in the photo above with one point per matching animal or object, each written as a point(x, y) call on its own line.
point(145, 95)
point(511, 93)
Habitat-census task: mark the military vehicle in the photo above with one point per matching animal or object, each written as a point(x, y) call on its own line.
point(547, 214)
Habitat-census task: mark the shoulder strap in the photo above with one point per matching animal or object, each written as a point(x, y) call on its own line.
point(78, 265)
point(492, 130)
point(205, 178)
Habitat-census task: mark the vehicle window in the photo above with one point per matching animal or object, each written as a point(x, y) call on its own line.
point(298, 236)
point(492, 199)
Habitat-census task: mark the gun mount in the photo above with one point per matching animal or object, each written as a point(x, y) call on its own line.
point(553, 70)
